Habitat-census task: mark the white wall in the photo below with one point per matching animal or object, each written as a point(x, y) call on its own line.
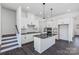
point(8, 21)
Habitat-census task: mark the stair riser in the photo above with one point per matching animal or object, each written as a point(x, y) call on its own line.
point(8, 35)
point(8, 49)
point(3, 38)
point(9, 40)
point(8, 44)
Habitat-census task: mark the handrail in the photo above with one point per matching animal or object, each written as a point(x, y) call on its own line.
point(17, 29)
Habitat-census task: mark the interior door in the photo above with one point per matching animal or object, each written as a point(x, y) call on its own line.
point(63, 32)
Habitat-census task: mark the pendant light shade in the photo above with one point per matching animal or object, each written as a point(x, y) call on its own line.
point(43, 10)
point(51, 11)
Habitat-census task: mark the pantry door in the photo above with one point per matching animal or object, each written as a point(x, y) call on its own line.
point(63, 31)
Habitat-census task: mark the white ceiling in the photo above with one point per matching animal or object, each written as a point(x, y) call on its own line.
point(36, 8)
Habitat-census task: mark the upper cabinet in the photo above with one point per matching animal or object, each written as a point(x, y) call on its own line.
point(29, 21)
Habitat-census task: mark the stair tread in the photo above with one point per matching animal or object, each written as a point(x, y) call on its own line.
point(8, 46)
point(9, 39)
point(9, 42)
point(8, 35)
point(8, 49)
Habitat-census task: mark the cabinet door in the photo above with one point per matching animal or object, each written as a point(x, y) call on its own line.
point(29, 37)
point(23, 39)
point(63, 32)
point(56, 37)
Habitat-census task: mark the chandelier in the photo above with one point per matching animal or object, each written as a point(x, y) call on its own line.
point(44, 16)
point(43, 10)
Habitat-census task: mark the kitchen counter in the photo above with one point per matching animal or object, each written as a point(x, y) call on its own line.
point(28, 37)
point(29, 33)
point(43, 36)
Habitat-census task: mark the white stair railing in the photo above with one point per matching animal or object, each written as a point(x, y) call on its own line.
point(18, 34)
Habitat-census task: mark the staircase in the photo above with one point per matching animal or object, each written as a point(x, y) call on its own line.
point(8, 42)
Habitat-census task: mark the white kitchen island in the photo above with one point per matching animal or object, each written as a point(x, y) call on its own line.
point(42, 42)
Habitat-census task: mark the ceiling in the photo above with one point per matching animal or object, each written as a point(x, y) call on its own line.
point(37, 8)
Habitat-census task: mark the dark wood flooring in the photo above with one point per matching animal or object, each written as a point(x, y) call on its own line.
point(60, 48)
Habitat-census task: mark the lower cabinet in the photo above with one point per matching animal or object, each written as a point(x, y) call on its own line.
point(23, 39)
point(26, 38)
point(56, 37)
point(29, 37)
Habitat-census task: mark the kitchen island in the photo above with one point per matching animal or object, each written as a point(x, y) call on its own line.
point(42, 42)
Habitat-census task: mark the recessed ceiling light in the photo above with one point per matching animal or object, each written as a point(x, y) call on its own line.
point(40, 13)
point(28, 7)
point(48, 16)
point(68, 10)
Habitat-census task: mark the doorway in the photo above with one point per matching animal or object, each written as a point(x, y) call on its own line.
point(63, 32)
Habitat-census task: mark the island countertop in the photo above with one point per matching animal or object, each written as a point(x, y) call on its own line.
point(43, 36)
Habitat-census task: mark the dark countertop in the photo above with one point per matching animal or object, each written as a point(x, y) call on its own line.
point(29, 33)
point(43, 36)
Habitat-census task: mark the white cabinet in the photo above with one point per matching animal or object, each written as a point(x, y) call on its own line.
point(56, 37)
point(63, 31)
point(23, 39)
point(28, 38)
point(40, 45)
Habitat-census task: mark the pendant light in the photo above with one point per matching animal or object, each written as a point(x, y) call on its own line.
point(43, 10)
point(51, 11)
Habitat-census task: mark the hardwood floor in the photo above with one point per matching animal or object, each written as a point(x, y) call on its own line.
point(17, 51)
point(60, 48)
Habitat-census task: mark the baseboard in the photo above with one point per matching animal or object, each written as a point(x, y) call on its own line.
point(62, 40)
point(27, 43)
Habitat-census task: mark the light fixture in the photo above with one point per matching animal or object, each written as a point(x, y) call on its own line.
point(68, 10)
point(40, 13)
point(51, 11)
point(43, 10)
point(44, 16)
point(47, 15)
point(28, 7)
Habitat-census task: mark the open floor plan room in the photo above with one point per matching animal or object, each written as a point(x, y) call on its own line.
point(39, 28)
